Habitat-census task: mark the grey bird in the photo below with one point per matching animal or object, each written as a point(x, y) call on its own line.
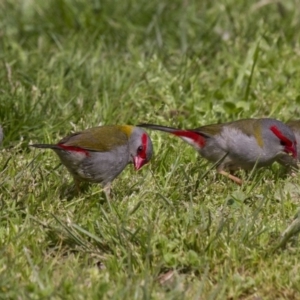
point(240, 144)
point(101, 153)
point(294, 125)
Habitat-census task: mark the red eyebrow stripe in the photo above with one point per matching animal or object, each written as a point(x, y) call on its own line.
point(197, 138)
point(144, 143)
point(279, 134)
point(74, 149)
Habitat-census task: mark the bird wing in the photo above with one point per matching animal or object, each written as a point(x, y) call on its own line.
point(100, 139)
point(249, 127)
point(209, 130)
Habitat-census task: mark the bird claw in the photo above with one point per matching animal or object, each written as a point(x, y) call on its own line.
point(232, 177)
point(77, 186)
point(107, 191)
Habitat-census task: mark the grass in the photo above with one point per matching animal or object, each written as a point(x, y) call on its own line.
point(175, 230)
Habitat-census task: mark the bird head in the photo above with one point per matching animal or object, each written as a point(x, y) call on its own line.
point(285, 137)
point(140, 147)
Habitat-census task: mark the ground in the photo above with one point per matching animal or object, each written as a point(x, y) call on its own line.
point(175, 229)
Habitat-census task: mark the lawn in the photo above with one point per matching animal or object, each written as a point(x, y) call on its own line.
point(175, 229)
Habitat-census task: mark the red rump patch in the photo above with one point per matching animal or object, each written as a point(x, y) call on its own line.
point(197, 138)
point(74, 149)
point(279, 134)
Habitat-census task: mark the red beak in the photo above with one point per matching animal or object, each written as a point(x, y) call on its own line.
point(138, 162)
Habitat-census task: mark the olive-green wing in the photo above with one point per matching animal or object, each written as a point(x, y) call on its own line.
point(209, 130)
point(100, 139)
point(247, 126)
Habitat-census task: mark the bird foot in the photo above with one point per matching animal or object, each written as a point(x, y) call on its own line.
point(232, 177)
point(77, 186)
point(107, 191)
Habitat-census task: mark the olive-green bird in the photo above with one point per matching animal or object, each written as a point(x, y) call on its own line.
point(241, 144)
point(295, 126)
point(101, 153)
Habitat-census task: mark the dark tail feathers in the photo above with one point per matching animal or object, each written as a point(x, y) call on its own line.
point(159, 127)
point(49, 146)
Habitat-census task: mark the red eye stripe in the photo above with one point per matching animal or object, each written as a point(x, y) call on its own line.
point(279, 134)
point(74, 149)
point(197, 138)
point(144, 143)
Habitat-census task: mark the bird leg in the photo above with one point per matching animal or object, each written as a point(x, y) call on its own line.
point(77, 185)
point(230, 176)
point(107, 191)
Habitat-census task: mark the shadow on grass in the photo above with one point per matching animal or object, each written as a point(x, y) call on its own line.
point(69, 192)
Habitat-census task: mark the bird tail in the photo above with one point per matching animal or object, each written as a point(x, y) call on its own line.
point(192, 137)
point(160, 128)
point(46, 146)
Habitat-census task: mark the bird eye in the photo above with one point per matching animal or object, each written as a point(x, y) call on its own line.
point(140, 149)
point(282, 143)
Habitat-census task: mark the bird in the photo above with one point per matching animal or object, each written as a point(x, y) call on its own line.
point(294, 125)
point(242, 144)
point(100, 154)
